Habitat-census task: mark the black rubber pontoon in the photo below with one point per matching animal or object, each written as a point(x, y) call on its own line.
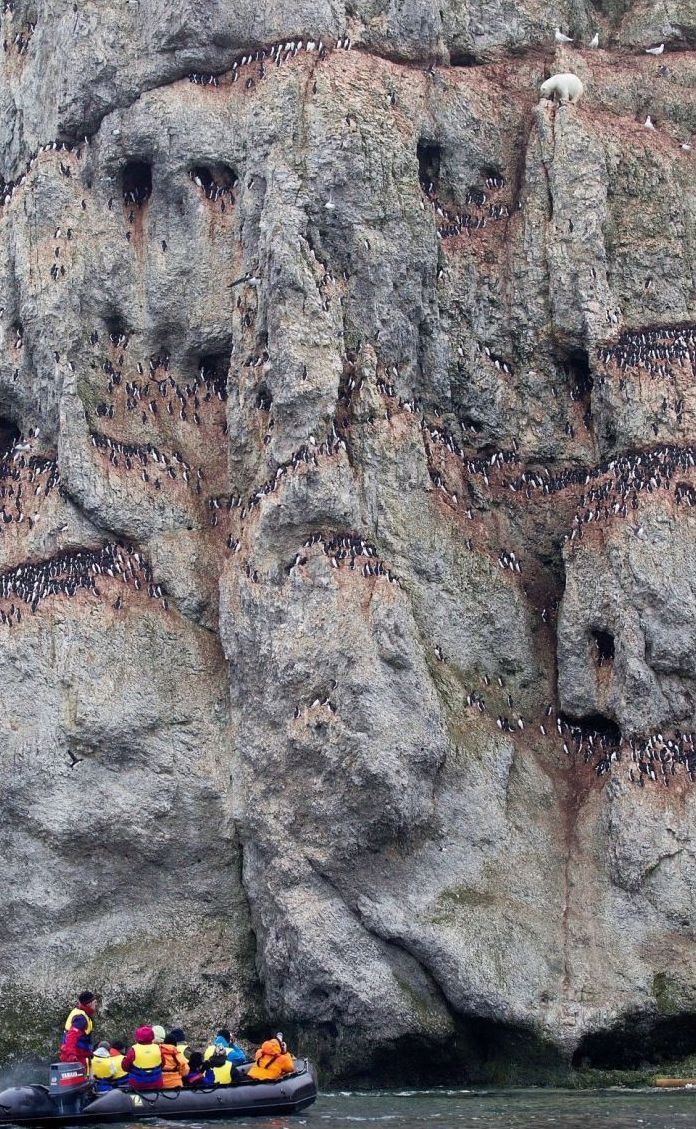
point(33, 1105)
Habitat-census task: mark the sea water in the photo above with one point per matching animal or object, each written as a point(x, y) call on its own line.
point(492, 1109)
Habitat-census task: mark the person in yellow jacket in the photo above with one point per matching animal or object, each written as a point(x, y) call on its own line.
point(104, 1070)
point(106, 1067)
point(117, 1050)
point(143, 1061)
point(76, 1041)
point(218, 1069)
point(271, 1061)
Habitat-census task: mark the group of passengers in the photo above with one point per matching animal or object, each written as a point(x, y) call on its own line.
point(163, 1060)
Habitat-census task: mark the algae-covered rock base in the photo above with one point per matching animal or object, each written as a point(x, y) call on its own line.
point(347, 572)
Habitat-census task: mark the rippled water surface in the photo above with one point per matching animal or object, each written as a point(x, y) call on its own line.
point(495, 1109)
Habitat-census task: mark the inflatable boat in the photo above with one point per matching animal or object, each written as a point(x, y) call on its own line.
point(70, 1100)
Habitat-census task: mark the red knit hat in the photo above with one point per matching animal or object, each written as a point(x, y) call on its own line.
point(144, 1035)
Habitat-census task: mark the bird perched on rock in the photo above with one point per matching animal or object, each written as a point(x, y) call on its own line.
point(648, 124)
point(560, 37)
point(594, 42)
point(655, 50)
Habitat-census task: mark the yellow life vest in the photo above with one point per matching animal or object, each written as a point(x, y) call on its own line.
point(222, 1075)
point(148, 1056)
point(183, 1047)
point(79, 1011)
point(103, 1067)
point(119, 1072)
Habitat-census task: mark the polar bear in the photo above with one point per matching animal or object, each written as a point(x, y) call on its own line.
point(567, 87)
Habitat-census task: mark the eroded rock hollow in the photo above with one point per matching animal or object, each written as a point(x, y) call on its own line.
point(347, 590)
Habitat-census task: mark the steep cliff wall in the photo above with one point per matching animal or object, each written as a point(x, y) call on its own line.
point(348, 590)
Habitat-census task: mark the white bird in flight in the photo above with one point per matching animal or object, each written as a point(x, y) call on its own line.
point(655, 50)
point(560, 37)
point(594, 42)
point(648, 123)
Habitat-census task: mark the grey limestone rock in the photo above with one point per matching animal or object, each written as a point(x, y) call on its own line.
point(347, 583)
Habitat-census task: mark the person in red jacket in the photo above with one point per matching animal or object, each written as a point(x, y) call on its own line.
point(76, 1041)
point(143, 1061)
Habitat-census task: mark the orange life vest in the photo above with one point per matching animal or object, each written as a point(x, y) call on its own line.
point(174, 1067)
point(271, 1062)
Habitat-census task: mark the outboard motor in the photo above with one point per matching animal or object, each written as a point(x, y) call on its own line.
point(68, 1085)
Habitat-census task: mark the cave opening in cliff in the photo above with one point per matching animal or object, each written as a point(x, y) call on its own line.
point(264, 400)
point(469, 423)
point(638, 1042)
point(604, 642)
point(576, 362)
point(593, 725)
point(213, 369)
point(213, 180)
point(462, 59)
point(9, 434)
point(136, 182)
point(429, 157)
point(116, 329)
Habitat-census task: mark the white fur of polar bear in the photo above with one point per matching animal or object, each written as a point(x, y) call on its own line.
point(567, 87)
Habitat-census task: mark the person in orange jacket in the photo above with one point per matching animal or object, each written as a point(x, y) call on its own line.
point(175, 1066)
point(271, 1061)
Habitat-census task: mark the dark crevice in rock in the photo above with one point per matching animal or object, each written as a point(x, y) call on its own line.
point(604, 642)
point(136, 182)
point(462, 59)
point(413, 1060)
point(469, 423)
point(264, 399)
point(429, 158)
point(639, 1040)
point(504, 1053)
point(117, 329)
point(575, 362)
point(9, 434)
point(213, 177)
point(518, 172)
point(214, 367)
point(594, 724)
point(582, 382)
point(547, 179)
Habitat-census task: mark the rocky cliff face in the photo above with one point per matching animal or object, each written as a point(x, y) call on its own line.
point(348, 592)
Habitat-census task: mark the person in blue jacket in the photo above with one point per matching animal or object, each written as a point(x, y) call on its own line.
point(223, 1041)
